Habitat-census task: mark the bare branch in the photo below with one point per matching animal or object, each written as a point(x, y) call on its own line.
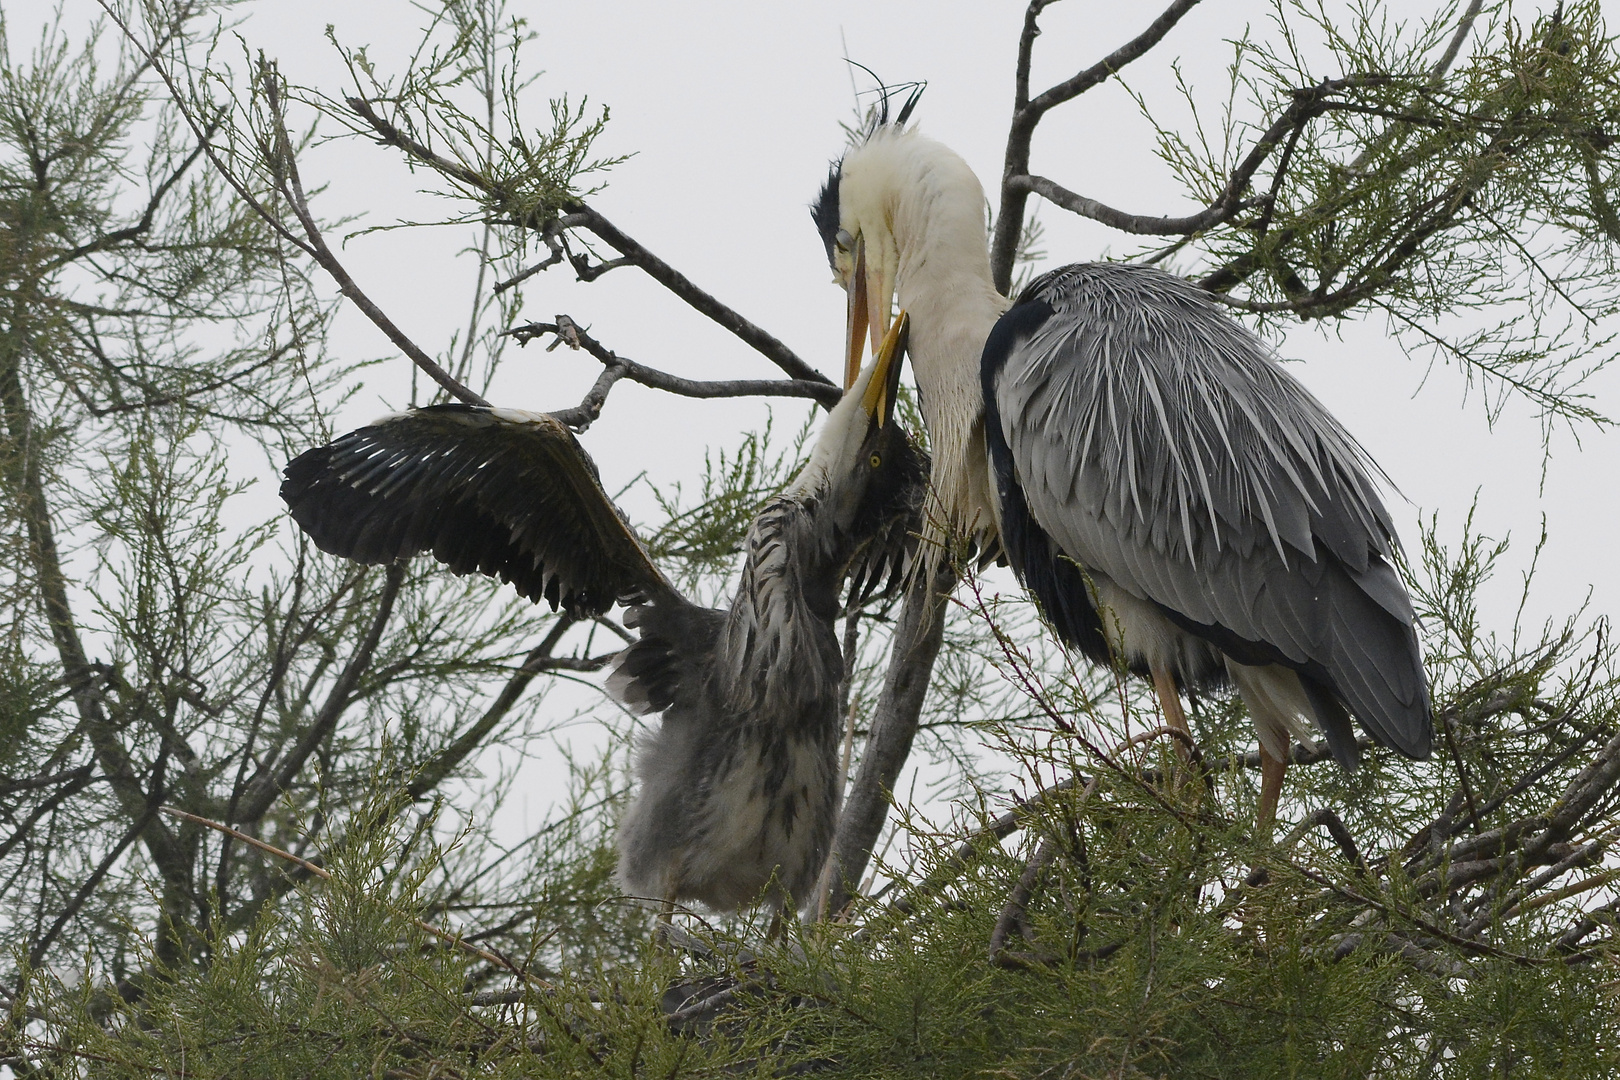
point(1027, 113)
point(1110, 65)
point(579, 215)
point(615, 367)
point(918, 634)
point(442, 764)
point(678, 283)
point(1325, 818)
point(551, 235)
point(1465, 26)
point(1012, 914)
point(1140, 224)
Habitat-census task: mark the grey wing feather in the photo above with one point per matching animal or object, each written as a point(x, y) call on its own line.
point(1159, 443)
point(671, 660)
point(501, 492)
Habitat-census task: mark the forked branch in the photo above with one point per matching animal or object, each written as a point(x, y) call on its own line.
point(1027, 113)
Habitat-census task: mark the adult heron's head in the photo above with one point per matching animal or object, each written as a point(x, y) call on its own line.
point(887, 205)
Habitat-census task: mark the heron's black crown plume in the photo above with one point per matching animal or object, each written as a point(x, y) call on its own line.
point(824, 211)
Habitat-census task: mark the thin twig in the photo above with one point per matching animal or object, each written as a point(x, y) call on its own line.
point(291, 186)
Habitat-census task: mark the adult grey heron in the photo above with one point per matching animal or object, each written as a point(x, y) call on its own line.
point(738, 788)
point(1170, 495)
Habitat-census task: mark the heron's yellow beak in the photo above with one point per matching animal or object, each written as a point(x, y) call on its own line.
point(871, 298)
point(885, 383)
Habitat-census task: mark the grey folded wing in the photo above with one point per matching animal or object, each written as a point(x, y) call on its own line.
point(500, 492)
point(1158, 443)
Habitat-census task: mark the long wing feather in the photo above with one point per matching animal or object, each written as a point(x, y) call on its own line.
point(506, 493)
point(1158, 443)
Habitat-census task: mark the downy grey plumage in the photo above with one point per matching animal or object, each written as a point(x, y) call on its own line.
point(737, 790)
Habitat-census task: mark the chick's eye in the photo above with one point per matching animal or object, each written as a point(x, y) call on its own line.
point(877, 460)
point(844, 240)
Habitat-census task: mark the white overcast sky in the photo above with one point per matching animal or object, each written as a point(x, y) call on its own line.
point(731, 111)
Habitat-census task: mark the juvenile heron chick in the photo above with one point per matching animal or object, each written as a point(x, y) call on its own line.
point(737, 790)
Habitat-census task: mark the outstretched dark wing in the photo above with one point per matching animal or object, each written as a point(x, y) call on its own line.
point(506, 493)
point(1156, 442)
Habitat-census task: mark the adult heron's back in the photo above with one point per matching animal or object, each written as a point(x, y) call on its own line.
point(1136, 430)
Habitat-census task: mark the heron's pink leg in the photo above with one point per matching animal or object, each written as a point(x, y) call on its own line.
point(1164, 684)
point(1271, 781)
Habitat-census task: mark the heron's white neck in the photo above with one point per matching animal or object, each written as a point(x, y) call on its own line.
point(935, 209)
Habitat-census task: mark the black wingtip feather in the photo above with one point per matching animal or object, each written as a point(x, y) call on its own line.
point(515, 499)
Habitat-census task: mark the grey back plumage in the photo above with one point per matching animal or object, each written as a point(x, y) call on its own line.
point(1158, 443)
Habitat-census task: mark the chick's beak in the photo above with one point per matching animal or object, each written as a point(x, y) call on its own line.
point(885, 382)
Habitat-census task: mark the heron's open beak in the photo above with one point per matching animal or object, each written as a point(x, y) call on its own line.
point(871, 297)
point(885, 383)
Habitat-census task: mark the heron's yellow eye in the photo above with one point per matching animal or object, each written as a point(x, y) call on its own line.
point(877, 459)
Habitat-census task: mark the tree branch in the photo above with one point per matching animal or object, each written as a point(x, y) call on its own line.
point(615, 367)
point(676, 282)
point(263, 789)
point(442, 764)
point(144, 224)
point(1465, 26)
point(292, 188)
point(75, 782)
point(1027, 113)
point(1140, 224)
point(580, 215)
point(36, 952)
point(27, 479)
point(1013, 912)
point(918, 634)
